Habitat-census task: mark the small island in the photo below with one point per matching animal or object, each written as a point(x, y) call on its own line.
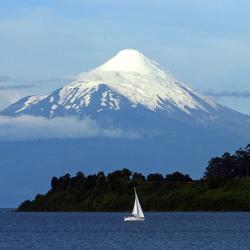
point(225, 186)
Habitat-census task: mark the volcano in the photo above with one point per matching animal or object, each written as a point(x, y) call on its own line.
point(178, 129)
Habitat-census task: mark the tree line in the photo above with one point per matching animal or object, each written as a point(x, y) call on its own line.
point(230, 166)
point(224, 187)
point(116, 180)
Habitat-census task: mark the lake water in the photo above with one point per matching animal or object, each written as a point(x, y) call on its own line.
point(108, 231)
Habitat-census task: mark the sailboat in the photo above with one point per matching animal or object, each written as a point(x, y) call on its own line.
point(137, 214)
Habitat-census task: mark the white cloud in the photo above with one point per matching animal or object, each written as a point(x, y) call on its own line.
point(31, 127)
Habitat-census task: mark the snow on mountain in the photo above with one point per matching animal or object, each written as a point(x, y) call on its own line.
point(142, 81)
point(129, 88)
point(129, 74)
point(30, 101)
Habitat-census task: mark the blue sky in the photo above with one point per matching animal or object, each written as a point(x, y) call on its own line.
point(203, 43)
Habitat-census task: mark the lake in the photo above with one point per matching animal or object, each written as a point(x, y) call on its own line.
point(169, 230)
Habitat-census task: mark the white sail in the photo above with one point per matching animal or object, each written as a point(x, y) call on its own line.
point(137, 214)
point(137, 211)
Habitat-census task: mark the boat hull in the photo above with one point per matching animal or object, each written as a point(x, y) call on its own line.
point(132, 218)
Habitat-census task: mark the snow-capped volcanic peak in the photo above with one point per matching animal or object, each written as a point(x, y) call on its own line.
point(142, 81)
point(127, 80)
point(130, 60)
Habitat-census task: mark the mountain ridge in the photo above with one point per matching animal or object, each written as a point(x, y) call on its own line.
point(132, 86)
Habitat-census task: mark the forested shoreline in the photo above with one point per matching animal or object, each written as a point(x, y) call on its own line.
point(225, 186)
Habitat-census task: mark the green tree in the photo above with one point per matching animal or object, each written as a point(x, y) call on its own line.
point(155, 177)
point(178, 177)
point(54, 183)
point(138, 178)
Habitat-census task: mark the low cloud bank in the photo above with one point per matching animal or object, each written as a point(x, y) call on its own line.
point(20, 86)
point(240, 94)
point(31, 127)
point(5, 78)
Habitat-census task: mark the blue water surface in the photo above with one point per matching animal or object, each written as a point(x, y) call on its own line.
point(108, 231)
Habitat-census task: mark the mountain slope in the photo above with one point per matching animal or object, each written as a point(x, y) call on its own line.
point(129, 74)
point(130, 90)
